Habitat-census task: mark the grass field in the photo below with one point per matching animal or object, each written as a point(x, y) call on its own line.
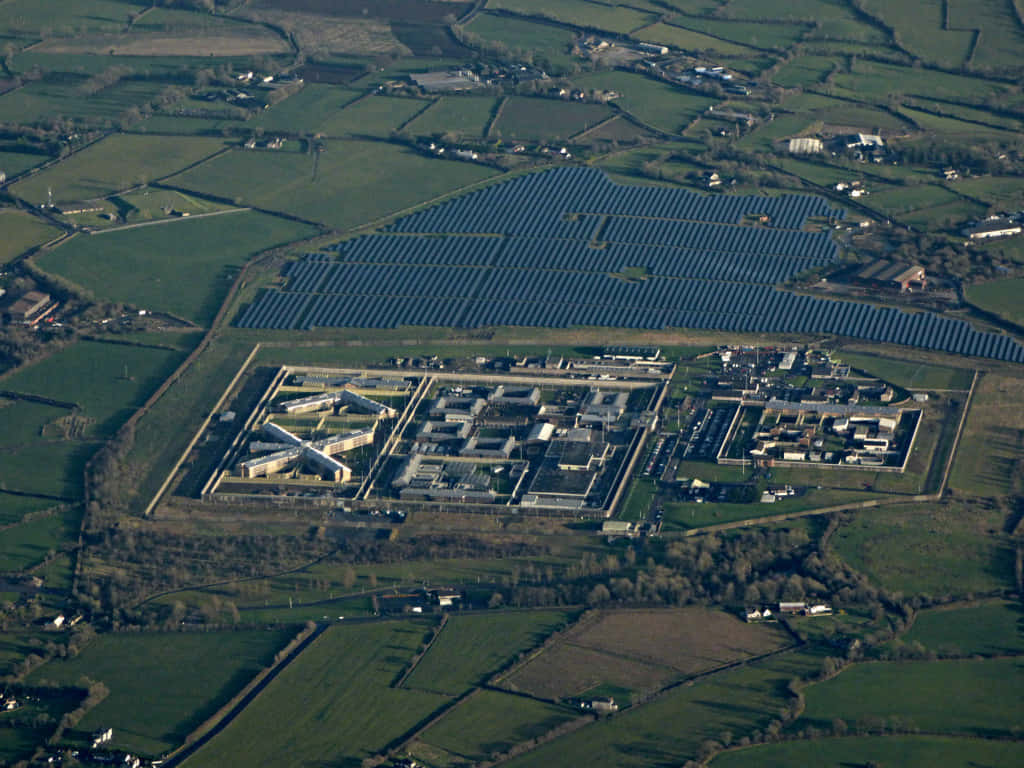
point(683, 516)
point(803, 71)
point(461, 115)
point(910, 375)
point(952, 549)
point(917, 694)
point(145, 267)
point(163, 685)
point(990, 629)
point(314, 107)
point(1001, 297)
point(21, 231)
point(28, 543)
point(902, 751)
point(614, 18)
point(13, 163)
point(470, 648)
point(334, 700)
point(92, 374)
point(546, 119)
point(14, 508)
point(29, 17)
point(650, 101)
point(492, 722)
point(355, 182)
point(32, 463)
point(670, 729)
point(547, 42)
point(115, 163)
point(374, 116)
point(690, 40)
point(988, 460)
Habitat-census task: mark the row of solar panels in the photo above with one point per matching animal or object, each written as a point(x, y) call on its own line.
point(741, 309)
point(516, 207)
point(316, 275)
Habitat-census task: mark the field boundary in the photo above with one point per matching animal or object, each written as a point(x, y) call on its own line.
point(956, 439)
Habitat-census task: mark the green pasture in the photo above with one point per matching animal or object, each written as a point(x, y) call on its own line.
point(115, 163)
point(334, 700)
point(840, 112)
point(312, 108)
point(763, 137)
point(951, 127)
point(471, 647)
point(670, 729)
point(804, 71)
point(355, 182)
point(1002, 37)
point(650, 101)
point(909, 374)
point(921, 30)
point(28, 543)
point(877, 80)
point(30, 461)
point(685, 515)
point(988, 629)
point(675, 36)
point(22, 231)
point(183, 266)
point(107, 381)
point(945, 216)
point(921, 694)
point(61, 93)
point(30, 18)
point(460, 115)
point(893, 202)
point(949, 549)
point(1002, 297)
point(492, 722)
point(614, 18)
point(13, 163)
point(154, 204)
point(779, 36)
point(548, 43)
point(988, 460)
point(372, 115)
point(164, 685)
point(1007, 192)
point(546, 119)
point(902, 751)
point(13, 508)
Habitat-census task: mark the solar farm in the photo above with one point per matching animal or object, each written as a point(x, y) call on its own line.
point(371, 438)
point(569, 247)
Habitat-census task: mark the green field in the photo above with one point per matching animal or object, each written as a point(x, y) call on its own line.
point(491, 722)
point(28, 17)
point(13, 163)
point(28, 543)
point(459, 115)
point(372, 116)
point(163, 685)
point(949, 549)
point(144, 267)
point(803, 71)
point(909, 375)
point(650, 101)
point(990, 629)
point(14, 508)
point(917, 694)
point(470, 648)
point(670, 729)
point(902, 751)
point(685, 515)
point(690, 40)
point(548, 43)
point(356, 181)
point(614, 18)
point(106, 381)
point(988, 461)
point(21, 231)
point(334, 700)
point(115, 163)
point(1001, 297)
point(546, 119)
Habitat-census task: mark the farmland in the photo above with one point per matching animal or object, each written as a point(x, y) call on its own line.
point(632, 653)
point(29, 543)
point(905, 751)
point(480, 644)
point(21, 232)
point(152, 705)
point(143, 267)
point(1001, 297)
point(317, 705)
point(354, 182)
point(915, 694)
point(114, 164)
point(950, 549)
point(988, 629)
point(460, 115)
point(989, 457)
point(546, 119)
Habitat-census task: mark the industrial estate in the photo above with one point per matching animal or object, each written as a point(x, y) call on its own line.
point(443, 384)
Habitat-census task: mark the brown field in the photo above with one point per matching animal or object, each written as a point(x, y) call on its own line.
point(572, 670)
point(641, 650)
point(249, 43)
point(332, 34)
point(988, 458)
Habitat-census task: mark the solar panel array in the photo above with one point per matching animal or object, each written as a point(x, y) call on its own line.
point(569, 247)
